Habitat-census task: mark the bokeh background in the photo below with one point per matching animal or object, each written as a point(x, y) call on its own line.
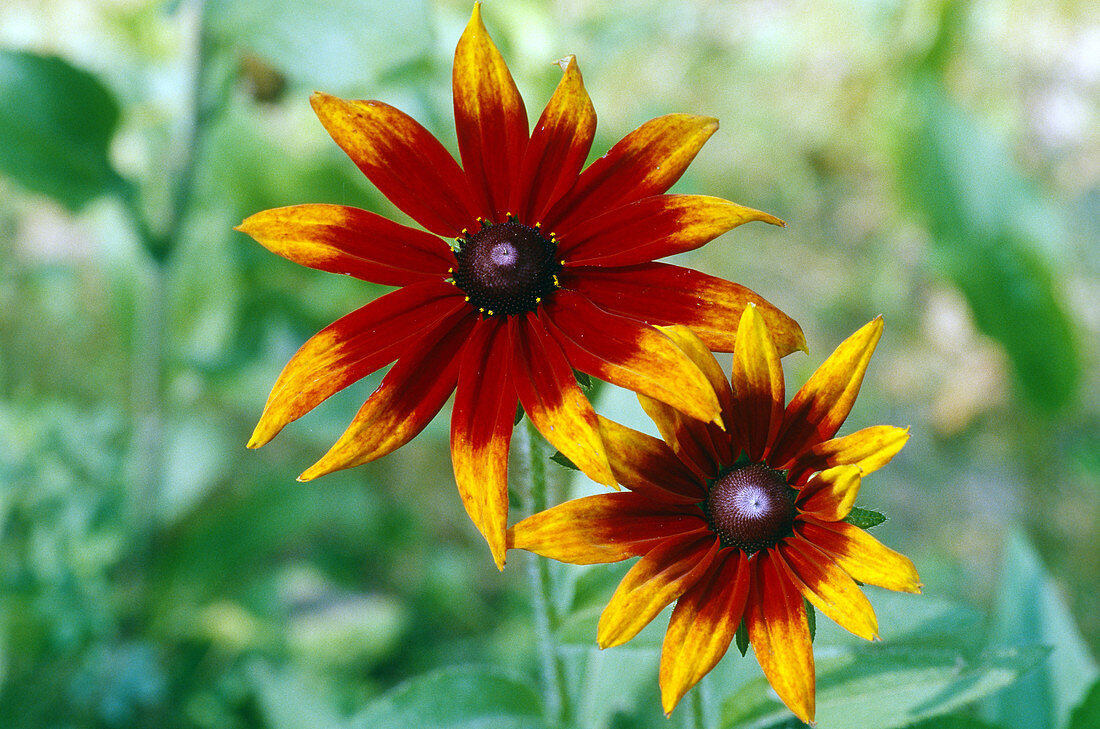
point(937, 163)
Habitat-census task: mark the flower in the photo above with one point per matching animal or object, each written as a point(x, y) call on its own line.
point(738, 525)
point(551, 271)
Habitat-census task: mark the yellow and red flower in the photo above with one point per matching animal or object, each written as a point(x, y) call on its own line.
point(738, 525)
point(548, 270)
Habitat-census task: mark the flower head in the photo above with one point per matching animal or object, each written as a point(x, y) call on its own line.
point(527, 268)
point(738, 525)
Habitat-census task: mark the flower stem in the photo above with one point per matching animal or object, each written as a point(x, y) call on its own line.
point(698, 715)
point(535, 456)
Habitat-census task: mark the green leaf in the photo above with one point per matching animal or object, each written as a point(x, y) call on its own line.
point(811, 618)
point(741, 638)
point(954, 721)
point(1029, 609)
point(288, 701)
point(57, 122)
point(456, 698)
point(882, 688)
point(562, 460)
point(865, 518)
point(1087, 714)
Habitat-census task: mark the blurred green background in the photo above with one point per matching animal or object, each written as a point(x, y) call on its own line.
point(937, 163)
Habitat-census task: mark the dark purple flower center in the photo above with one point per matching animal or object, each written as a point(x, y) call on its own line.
point(506, 268)
point(750, 507)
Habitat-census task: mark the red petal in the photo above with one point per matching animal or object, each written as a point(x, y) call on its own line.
point(555, 403)
point(341, 239)
point(558, 148)
point(629, 354)
point(490, 119)
point(404, 161)
point(648, 466)
point(658, 293)
point(645, 162)
point(653, 227)
point(351, 348)
point(410, 395)
point(481, 431)
point(690, 439)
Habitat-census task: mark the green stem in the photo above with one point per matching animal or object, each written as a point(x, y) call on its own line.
point(535, 456)
point(698, 714)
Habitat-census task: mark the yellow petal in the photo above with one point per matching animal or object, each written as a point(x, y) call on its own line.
point(829, 588)
point(757, 379)
point(861, 555)
point(829, 495)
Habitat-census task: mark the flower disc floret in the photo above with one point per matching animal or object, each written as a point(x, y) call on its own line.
point(506, 268)
point(750, 507)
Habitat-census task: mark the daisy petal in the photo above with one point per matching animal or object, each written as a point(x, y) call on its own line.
point(817, 411)
point(645, 162)
point(829, 495)
point(404, 161)
point(658, 578)
point(780, 636)
point(481, 431)
point(652, 228)
point(757, 379)
point(351, 348)
point(861, 555)
point(558, 148)
point(703, 623)
point(604, 528)
point(341, 239)
point(870, 449)
point(629, 354)
point(690, 439)
point(557, 406)
point(410, 395)
point(490, 118)
point(646, 465)
point(828, 588)
point(698, 353)
point(662, 294)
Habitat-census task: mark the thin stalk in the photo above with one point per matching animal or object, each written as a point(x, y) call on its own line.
point(698, 713)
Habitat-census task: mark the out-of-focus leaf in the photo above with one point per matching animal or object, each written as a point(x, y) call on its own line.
point(1029, 610)
point(865, 518)
point(289, 702)
point(456, 698)
point(56, 123)
point(954, 721)
point(880, 688)
point(1087, 713)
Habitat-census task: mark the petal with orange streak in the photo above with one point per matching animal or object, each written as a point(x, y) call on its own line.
point(652, 228)
point(629, 354)
point(830, 494)
point(828, 587)
point(347, 240)
point(648, 466)
point(691, 440)
point(490, 118)
point(351, 348)
point(870, 449)
point(780, 636)
point(860, 555)
point(481, 431)
point(645, 162)
point(559, 146)
point(557, 406)
point(663, 294)
point(818, 410)
point(404, 161)
point(604, 528)
point(703, 623)
point(658, 578)
point(410, 395)
point(757, 380)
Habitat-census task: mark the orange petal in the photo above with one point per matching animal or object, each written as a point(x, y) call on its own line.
point(830, 494)
point(658, 578)
point(698, 353)
point(410, 395)
point(870, 449)
point(817, 411)
point(703, 623)
point(757, 379)
point(351, 348)
point(557, 407)
point(558, 148)
point(690, 439)
point(629, 354)
point(662, 294)
point(828, 587)
point(481, 431)
point(348, 240)
point(652, 228)
point(604, 528)
point(404, 161)
point(648, 466)
point(645, 162)
point(490, 118)
point(861, 555)
point(780, 636)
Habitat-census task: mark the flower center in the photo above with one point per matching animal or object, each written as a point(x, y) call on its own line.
point(750, 507)
point(506, 268)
